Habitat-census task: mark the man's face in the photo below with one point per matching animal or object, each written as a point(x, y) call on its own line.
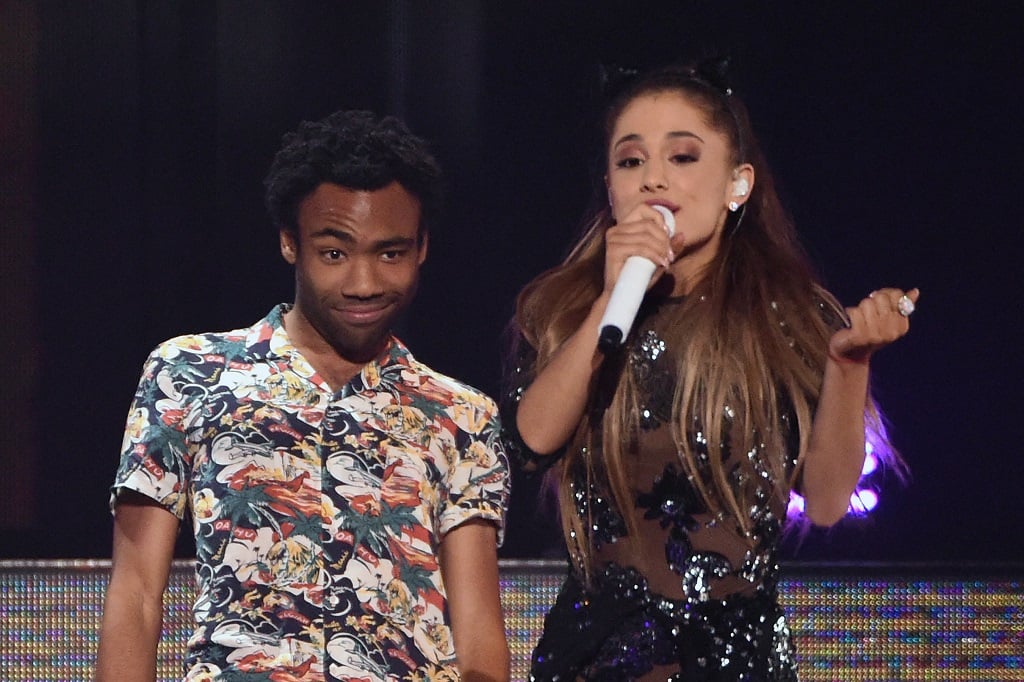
point(357, 256)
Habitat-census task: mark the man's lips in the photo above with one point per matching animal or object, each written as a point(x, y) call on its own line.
point(363, 314)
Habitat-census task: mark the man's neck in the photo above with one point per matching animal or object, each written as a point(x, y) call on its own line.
point(334, 368)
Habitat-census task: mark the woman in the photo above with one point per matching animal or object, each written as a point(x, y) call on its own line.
point(741, 380)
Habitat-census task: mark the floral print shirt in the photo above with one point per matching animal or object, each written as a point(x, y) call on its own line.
point(317, 514)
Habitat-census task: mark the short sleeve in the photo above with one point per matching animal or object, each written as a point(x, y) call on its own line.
point(154, 453)
point(478, 483)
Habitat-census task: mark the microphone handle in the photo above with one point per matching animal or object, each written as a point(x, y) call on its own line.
point(624, 302)
point(629, 292)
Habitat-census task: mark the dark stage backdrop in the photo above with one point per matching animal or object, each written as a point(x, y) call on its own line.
point(136, 135)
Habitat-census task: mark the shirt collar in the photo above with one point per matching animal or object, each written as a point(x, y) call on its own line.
point(268, 339)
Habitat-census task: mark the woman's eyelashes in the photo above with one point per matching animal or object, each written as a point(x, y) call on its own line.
point(683, 152)
point(637, 160)
point(630, 159)
point(684, 158)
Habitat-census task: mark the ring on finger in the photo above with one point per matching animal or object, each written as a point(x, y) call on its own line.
point(905, 306)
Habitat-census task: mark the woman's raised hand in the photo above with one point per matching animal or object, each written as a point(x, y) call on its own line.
point(875, 322)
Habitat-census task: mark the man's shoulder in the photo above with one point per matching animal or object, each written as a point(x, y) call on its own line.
point(437, 383)
point(203, 343)
point(237, 345)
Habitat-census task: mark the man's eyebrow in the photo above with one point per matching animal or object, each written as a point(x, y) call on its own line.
point(396, 242)
point(349, 238)
point(334, 232)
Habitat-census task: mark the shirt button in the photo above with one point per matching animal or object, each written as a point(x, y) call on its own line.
point(332, 600)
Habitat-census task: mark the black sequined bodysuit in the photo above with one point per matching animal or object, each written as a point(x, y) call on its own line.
point(690, 598)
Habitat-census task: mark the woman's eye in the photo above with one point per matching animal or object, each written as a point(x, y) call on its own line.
point(683, 158)
point(628, 162)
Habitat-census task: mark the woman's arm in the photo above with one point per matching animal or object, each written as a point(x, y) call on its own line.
point(835, 454)
point(469, 568)
point(553, 405)
point(144, 535)
point(551, 408)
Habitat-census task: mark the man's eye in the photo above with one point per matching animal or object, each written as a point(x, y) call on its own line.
point(394, 254)
point(333, 254)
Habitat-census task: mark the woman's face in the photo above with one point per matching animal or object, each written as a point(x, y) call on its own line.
point(662, 151)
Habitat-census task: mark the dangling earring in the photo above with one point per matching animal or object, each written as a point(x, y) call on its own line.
point(739, 218)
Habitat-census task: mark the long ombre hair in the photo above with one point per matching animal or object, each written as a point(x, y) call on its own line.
point(749, 338)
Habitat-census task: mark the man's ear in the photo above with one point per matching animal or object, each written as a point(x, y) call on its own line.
point(424, 240)
point(289, 246)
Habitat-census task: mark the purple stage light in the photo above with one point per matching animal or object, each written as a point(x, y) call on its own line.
point(796, 505)
point(862, 501)
point(870, 460)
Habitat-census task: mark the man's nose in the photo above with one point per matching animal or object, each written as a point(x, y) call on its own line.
point(362, 278)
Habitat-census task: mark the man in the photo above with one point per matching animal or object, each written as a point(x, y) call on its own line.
point(347, 501)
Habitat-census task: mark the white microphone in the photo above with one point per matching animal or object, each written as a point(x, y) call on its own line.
point(628, 293)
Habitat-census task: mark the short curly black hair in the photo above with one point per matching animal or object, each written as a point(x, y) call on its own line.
point(357, 150)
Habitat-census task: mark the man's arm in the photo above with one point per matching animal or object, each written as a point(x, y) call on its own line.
point(144, 535)
point(469, 567)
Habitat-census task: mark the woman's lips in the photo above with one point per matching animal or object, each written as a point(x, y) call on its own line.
point(667, 204)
